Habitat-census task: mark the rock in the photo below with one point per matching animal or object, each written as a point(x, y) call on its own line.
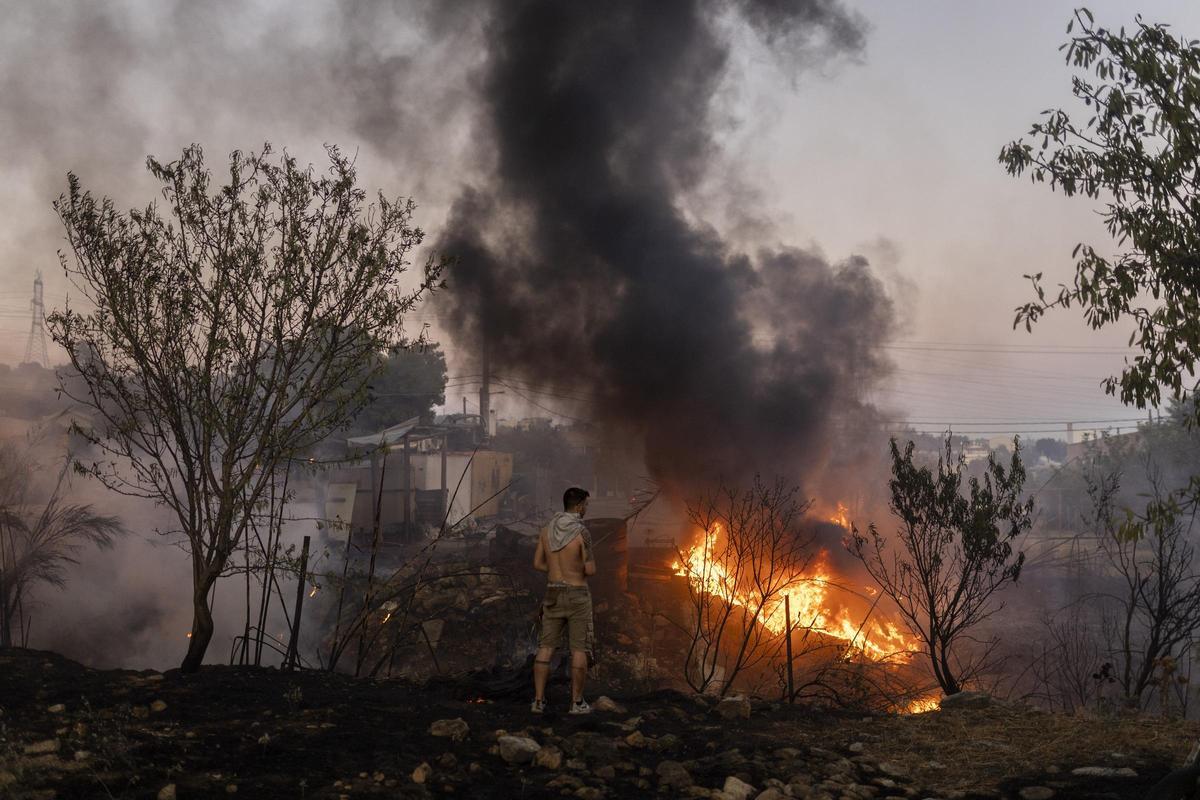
point(231, 788)
point(517, 749)
point(1036, 793)
point(636, 739)
point(422, 772)
point(673, 774)
point(57, 708)
point(857, 747)
point(42, 748)
point(606, 772)
point(736, 788)
point(667, 741)
point(6, 778)
point(770, 794)
point(167, 792)
point(82, 755)
point(589, 793)
point(549, 757)
point(378, 777)
point(953, 702)
point(604, 703)
point(456, 729)
point(734, 707)
point(892, 770)
point(567, 782)
point(158, 706)
point(1104, 772)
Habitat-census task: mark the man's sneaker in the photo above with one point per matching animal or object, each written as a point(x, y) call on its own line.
point(537, 706)
point(580, 707)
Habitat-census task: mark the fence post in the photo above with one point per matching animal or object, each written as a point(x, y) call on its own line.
point(787, 610)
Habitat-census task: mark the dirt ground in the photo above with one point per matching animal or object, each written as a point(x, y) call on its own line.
point(67, 731)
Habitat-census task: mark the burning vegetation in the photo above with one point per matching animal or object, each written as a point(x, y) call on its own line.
point(241, 374)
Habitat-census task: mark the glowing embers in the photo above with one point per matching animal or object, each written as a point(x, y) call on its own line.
point(712, 569)
point(923, 705)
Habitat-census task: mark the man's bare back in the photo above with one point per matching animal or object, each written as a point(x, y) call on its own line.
point(568, 565)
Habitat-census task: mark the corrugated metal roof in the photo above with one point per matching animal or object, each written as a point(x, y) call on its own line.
point(387, 436)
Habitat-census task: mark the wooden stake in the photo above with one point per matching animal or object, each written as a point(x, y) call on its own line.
point(787, 610)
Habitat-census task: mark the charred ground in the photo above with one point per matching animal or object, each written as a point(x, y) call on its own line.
point(73, 732)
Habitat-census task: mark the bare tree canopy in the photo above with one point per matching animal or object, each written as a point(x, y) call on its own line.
point(225, 331)
point(754, 551)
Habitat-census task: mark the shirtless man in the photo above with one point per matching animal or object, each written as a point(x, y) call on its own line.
point(564, 552)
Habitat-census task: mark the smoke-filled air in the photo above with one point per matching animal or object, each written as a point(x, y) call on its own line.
point(528, 398)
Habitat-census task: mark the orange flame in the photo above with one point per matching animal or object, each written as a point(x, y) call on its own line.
point(712, 574)
point(842, 517)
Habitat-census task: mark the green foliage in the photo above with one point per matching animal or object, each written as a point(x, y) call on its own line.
point(1139, 152)
point(953, 550)
point(1052, 449)
point(406, 383)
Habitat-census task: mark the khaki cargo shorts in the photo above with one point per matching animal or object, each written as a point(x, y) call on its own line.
point(568, 607)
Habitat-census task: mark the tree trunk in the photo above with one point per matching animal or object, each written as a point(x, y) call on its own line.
point(202, 629)
point(6, 614)
point(942, 670)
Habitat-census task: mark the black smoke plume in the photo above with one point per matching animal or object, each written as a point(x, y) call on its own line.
point(580, 271)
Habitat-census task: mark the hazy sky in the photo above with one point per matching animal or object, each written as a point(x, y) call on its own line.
point(892, 156)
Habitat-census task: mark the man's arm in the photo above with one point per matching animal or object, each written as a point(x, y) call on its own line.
point(539, 556)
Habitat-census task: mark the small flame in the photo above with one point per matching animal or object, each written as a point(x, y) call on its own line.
point(386, 618)
point(923, 705)
point(841, 517)
point(314, 591)
point(189, 634)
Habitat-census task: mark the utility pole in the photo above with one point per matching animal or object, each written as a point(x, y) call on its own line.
point(485, 393)
point(35, 346)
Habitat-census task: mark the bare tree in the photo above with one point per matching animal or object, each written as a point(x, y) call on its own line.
point(224, 337)
point(38, 539)
point(1064, 670)
point(954, 552)
point(1155, 611)
point(753, 553)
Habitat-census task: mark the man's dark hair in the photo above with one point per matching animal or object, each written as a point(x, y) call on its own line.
point(573, 497)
